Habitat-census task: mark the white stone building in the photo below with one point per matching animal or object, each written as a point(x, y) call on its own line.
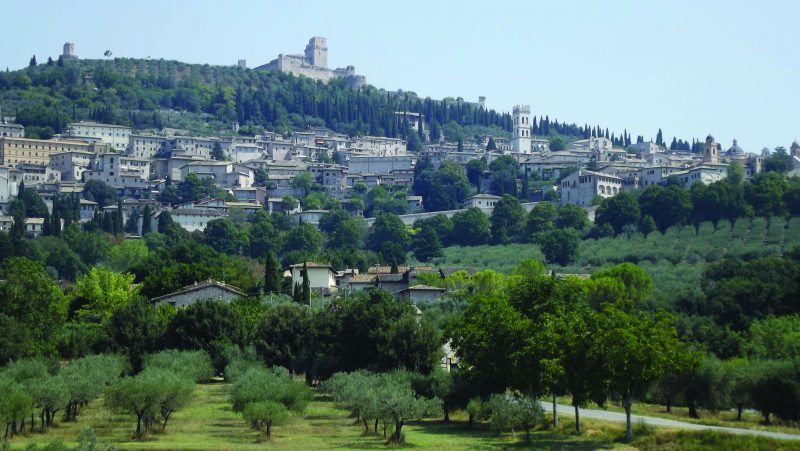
point(280, 149)
point(321, 276)
point(192, 145)
point(34, 226)
point(224, 173)
point(364, 164)
point(581, 187)
point(118, 136)
point(11, 130)
point(481, 201)
point(378, 145)
point(119, 171)
point(190, 219)
point(146, 146)
point(72, 164)
point(8, 187)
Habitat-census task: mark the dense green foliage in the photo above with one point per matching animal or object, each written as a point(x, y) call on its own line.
point(149, 93)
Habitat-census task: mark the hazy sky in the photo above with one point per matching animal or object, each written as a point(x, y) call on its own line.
point(730, 67)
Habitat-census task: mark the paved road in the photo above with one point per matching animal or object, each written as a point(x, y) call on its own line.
point(620, 417)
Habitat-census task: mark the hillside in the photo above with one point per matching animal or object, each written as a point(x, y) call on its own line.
point(675, 259)
point(128, 91)
point(205, 99)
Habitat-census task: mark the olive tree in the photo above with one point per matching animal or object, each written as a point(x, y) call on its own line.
point(152, 394)
point(265, 414)
point(194, 365)
point(85, 379)
point(15, 405)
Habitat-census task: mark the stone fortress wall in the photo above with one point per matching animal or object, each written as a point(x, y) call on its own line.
point(314, 64)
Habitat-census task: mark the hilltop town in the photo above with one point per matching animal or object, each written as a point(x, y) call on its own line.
point(291, 257)
point(275, 172)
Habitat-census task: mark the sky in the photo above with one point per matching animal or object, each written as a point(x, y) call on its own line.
point(730, 68)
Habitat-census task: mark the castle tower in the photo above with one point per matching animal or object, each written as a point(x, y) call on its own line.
point(317, 52)
point(69, 51)
point(521, 132)
point(710, 150)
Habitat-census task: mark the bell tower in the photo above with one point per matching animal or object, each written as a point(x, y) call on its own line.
point(710, 150)
point(521, 129)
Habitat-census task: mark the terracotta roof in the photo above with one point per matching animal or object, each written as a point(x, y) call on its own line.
point(400, 269)
point(199, 286)
point(390, 277)
point(421, 288)
point(362, 278)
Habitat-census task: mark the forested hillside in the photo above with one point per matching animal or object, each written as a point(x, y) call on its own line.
point(206, 99)
point(129, 90)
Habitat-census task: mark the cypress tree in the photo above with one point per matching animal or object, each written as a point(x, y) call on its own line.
point(97, 220)
point(120, 219)
point(491, 145)
point(306, 290)
point(46, 229)
point(164, 221)
point(76, 209)
point(116, 225)
point(146, 218)
point(55, 225)
point(524, 193)
point(110, 222)
point(297, 293)
point(272, 274)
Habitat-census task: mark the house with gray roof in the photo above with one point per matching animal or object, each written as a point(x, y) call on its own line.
point(208, 289)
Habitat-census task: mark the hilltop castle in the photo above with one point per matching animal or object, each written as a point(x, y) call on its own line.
point(314, 64)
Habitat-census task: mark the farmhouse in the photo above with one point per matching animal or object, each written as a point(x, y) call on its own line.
point(209, 289)
point(321, 276)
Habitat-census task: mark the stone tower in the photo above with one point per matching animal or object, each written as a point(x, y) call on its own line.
point(317, 52)
point(795, 150)
point(521, 132)
point(69, 51)
point(710, 150)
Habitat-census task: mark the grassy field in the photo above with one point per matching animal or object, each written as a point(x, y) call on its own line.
point(209, 423)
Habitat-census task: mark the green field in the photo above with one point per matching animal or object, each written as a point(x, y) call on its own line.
point(209, 423)
point(674, 259)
